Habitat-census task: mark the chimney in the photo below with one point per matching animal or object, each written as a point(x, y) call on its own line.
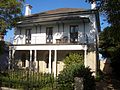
point(93, 5)
point(28, 9)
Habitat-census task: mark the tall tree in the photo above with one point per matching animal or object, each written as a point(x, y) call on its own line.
point(110, 36)
point(10, 12)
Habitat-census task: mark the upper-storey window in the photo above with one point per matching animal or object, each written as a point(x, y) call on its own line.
point(74, 33)
point(28, 36)
point(49, 34)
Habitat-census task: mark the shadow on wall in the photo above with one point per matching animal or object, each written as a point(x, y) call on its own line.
point(105, 66)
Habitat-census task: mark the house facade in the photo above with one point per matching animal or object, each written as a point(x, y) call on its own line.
point(43, 40)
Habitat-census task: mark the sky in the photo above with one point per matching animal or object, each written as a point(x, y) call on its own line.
point(45, 5)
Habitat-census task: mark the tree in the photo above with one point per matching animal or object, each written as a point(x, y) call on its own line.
point(109, 41)
point(1, 47)
point(10, 12)
point(112, 10)
point(110, 36)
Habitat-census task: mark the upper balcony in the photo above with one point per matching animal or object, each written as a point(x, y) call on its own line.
point(60, 38)
point(71, 32)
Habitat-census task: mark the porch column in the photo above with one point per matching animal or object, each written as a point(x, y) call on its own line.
point(35, 59)
point(10, 57)
point(13, 52)
point(85, 56)
point(55, 63)
point(13, 58)
point(50, 64)
point(30, 62)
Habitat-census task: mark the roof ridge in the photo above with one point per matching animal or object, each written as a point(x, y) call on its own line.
point(61, 10)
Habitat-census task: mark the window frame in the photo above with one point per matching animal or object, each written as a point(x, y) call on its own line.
point(74, 33)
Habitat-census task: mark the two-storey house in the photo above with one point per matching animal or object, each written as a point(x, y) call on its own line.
point(44, 39)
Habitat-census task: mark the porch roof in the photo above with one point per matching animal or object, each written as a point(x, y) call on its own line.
point(48, 47)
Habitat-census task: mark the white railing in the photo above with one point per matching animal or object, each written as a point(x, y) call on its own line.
point(58, 38)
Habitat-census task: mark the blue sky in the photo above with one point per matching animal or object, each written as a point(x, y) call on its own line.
point(44, 5)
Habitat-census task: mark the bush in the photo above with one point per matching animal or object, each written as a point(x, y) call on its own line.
point(73, 58)
point(66, 77)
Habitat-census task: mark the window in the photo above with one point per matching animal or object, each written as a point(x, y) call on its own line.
point(49, 34)
point(28, 36)
point(74, 33)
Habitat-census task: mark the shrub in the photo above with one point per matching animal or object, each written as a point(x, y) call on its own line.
point(66, 77)
point(73, 58)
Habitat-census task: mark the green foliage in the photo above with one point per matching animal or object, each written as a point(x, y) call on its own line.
point(113, 16)
point(99, 76)
point(26, 79)
point(1, 47)
point(73, 58)
point(115, 62)
point(66, 77)
point(108, 41)
point(110, 36)
point(110, 46)
point(10, 12)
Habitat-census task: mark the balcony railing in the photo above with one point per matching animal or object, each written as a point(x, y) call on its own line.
point(62, 38)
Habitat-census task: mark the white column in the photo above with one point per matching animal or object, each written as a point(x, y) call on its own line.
point(85, 56)
point(9, 59)
point(35, 58)
point(55, 63)
point(50, 64)
point(13, 59)
point(30, 62)
point(26, 63)
point(13, 52)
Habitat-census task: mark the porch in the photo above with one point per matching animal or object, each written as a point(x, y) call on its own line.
point(44, 58)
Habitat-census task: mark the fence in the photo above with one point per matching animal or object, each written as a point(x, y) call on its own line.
point(25, 79)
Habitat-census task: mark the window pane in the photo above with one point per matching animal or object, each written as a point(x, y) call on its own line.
point(74, 29)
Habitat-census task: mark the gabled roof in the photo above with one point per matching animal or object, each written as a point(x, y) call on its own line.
point(63, 10)
point(60, 11)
